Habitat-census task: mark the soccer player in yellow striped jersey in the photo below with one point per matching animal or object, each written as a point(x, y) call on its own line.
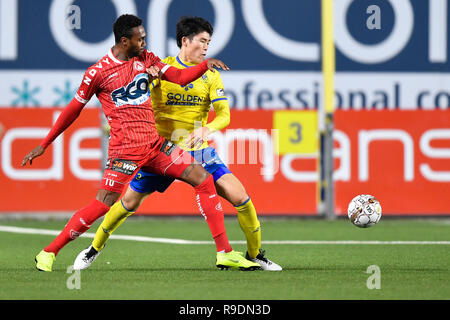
point(181, 114)
point(179, 110)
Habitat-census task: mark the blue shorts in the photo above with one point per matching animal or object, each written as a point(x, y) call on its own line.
point(145, 182)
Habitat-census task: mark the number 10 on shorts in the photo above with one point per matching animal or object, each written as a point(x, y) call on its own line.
point(297, 131)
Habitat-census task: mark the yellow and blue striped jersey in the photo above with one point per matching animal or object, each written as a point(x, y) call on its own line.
point(181, 109)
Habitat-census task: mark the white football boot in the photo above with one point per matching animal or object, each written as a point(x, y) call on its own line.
point(85, 258)
point(265, 263)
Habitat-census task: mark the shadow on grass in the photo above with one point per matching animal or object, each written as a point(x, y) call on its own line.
point(209, 269)
point(362, 268)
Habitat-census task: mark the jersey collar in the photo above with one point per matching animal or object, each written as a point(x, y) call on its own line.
point(182, 63)
point(113, 58)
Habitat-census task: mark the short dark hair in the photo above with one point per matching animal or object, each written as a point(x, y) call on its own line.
point(123, 25)
point(189, 26)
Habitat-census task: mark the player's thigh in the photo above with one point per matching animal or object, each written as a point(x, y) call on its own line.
point(229, 187)
point(172, 161)
point(142, 185)
point(147, 182)
point(114, 181)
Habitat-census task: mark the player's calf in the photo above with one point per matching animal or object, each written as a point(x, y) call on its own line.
point(210, 207)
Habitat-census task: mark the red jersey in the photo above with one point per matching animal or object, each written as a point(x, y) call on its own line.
point(122, 89)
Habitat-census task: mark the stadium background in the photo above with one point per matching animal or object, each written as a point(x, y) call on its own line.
point(392, 123)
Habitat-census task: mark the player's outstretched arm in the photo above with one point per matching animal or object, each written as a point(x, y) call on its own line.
point(65, 119)
point(187, 75)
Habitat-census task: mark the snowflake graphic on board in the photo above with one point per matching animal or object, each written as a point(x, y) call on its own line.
point(65, 94)
point(25, 95)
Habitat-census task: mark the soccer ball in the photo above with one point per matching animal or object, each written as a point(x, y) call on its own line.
point(364, 211)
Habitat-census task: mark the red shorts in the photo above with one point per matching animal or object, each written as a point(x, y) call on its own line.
point(162, 157)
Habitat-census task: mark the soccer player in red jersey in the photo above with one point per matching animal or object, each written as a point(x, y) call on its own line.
point(120, 81)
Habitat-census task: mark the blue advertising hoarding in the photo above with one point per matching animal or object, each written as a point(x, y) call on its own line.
point(389, 54)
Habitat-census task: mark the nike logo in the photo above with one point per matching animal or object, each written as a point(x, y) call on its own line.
point(235, 261)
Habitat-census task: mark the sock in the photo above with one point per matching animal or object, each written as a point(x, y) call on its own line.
point(248, 221)
point(113, 219)
point(211, 208)
point(80, 222)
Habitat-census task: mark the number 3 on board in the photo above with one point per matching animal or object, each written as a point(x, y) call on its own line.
point(297, 131)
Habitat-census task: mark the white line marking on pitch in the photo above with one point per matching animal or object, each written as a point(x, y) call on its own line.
point(182, 241)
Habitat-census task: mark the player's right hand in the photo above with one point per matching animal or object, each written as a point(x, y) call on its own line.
point(153, 73)
point(36, 152)
point(216, 63)
point(197, 137)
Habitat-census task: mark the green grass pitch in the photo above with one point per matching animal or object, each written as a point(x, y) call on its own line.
point(135, 270)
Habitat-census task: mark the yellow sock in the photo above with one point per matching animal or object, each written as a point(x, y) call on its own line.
point(113, 219)
point(248, 220)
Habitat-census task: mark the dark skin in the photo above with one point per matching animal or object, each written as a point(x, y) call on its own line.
point(125, 50)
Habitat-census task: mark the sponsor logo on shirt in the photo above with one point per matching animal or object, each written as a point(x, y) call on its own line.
point(179, 99)
point(134, 93)
point(124, 166)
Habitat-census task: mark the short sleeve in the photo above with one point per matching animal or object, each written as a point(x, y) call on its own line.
point(89, 85)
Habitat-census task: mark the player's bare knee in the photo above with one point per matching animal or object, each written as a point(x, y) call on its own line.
point(237, 197)
point(107, 197)
point(240, 198)
point(195, 174)
point(133, 201)
point(202, 175)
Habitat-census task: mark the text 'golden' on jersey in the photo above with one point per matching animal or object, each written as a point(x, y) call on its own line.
point(183, 99)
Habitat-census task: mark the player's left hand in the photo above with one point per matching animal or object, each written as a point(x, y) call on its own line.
point(36, 152)
point(213, 63)
point(197, 137)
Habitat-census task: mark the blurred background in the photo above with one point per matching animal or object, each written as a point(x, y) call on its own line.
point(390, 116)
